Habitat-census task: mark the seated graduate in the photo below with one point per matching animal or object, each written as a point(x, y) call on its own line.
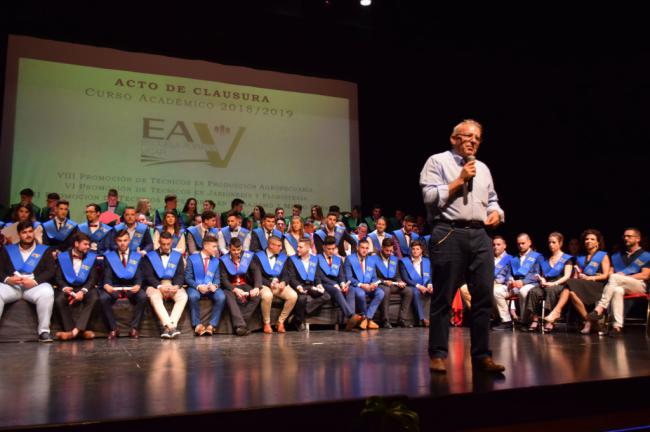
point(232, 230)
point(523, 275)
point(113, 204)
point(48, 212)
point(26, 198)
point(390, 280)
point(377, 236)
point(630, 275)
point(236, 208)
point(331, 276)
point(415, 270)
point(294, 234)
point(123, 279)
point(139, 234)
point(302, 276)
point(77, 276)
point(26, 269)
point(59, 230)
point(21, 213)
point(99, 233)
point(171, 202)
point(405, 236)
point(242, 282)
point(190, 209)
point(271, 262)
point(501, 291)
point(396, 222)
point(163, 272)
point(338, 233)
point(260, 236)
point(172, 225)
point(202, 278)
point(280, 225)
point(194, 235)
point(556, 271)
point(371, 220)
point(360, 233)
point(360, 271)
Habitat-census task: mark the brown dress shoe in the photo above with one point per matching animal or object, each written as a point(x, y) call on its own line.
point(438, 365)
point(64, 336)
point(209, 330)
point(88, 334)
point(364, 324)
point(199, 329)
point(353, 322)
point(425, 323)
point(268, 329)
point(372, 325)
point(133, 333)
point(113, 334)
point(281, 328)
point(486, 364)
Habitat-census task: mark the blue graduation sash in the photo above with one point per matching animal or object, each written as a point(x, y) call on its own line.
point(593, 265)
point(634, 267)
point(522, 270)
point(166, 272)
point(391, 271)
point(59, 235)
point(138, 235)
point(279, 263)
point(503, 262)
point(370, 273)
point(307, 276)
point(244, 262)
point(99, 233)
point(227, 234)
point(28, 266)
point(120, 271)
point(293, 242)
point(67, 267)
point(261, 235)
point(332, 271)
point(196, 234)
point(200, 275)
point(338, 234)
point(425, 279)
point(176, 237)
point(558, 269)
point(375, 240)
point(399, 234)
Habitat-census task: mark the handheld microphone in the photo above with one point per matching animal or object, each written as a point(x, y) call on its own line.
point(470, 182)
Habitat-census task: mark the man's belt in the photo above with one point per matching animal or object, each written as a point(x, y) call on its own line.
point(462, 223)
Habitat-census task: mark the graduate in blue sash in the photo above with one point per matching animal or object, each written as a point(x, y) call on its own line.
point(360, 270)
point(523, 275)
point(631, 271)
point(338, 233)
point(404, 237)
point(592, 269)
point(294, 234)
point(123, 279)
point(271, 262)
point(556, 271)
point(172, 225)
point(163, 273)
point(390, 280)
point(415, 270)
point(21, 213)
point(99, 233)
point(232, 230)
point(501, 290)
point(377, 236)
point(139, 234)
point(260, 236)
point(331, 275)
point(302, 277)
point(242, 282)
point(194, 235)
point(202, 278)
point(59, 230)
point(26, 269)
point(76, 278)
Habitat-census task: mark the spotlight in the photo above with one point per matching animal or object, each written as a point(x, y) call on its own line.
point(365, 2)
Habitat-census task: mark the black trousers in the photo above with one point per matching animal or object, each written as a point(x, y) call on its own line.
point(308, 303)
point(457, 255)
point(406, 295)
point(64, 309)
point(240, 312)
point(138, 300)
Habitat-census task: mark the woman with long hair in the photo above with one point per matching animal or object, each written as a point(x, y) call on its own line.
point(317, 215)
point(188, 212)
point(172, 225)
point(21, 213)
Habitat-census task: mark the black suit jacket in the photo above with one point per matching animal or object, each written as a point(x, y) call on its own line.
point(151, 278)
point(266, 278)
point(110, 278)
point(346, 237)
point(60, 245)
point(44, 271)
point(324, 279)
point(253, 276)
point(90, 283)
point(294, 279)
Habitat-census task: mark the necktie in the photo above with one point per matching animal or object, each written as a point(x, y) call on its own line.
point(124, 260)
point(329, 261)
point(206, 260)
point(363, 266)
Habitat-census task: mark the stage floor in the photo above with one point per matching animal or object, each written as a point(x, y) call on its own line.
point(102, 380)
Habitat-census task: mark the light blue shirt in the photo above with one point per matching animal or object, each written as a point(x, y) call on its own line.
point(442, 169)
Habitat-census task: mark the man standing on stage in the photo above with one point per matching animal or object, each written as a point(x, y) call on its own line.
point(461, 202)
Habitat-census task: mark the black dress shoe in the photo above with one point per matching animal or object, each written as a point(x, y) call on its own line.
point(134, 333)
point(438, 365)
point(45, 337)
point(242, 331)
point(113, 334)
point(386, 324)
point(503, 326)
point(486, 364)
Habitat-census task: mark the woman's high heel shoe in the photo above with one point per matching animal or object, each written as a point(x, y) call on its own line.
point(551, 317)
point(533, 326)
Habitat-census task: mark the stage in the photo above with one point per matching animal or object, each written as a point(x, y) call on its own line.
point(320, 379)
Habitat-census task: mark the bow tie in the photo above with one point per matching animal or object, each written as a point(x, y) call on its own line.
point(163, 254)
point(75, 256)
point(274, 256)
point(93, 225)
